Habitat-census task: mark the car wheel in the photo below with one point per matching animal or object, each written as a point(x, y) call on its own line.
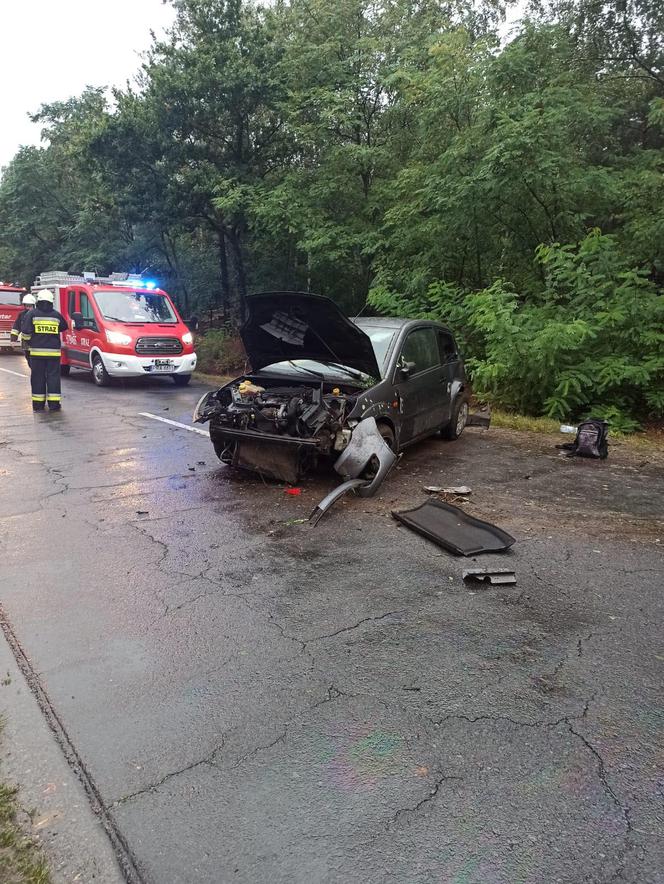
point(64, 370)
point(458, 421)
point(99, 374)
point(181, 380)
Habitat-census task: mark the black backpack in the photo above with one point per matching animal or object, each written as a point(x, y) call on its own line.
point(591, 440)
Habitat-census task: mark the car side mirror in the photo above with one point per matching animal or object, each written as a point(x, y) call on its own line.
point(192, 323)
point(406, 369)
point(77, 319)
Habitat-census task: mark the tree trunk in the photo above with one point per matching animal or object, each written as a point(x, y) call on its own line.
point(223, 270)
point(240, 278)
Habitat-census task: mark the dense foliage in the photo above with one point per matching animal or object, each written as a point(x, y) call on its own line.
point(389, 149)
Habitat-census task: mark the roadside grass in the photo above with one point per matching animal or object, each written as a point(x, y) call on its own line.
point(21, 861)
point(213, 380)
point(507, 420)
point(650, 438)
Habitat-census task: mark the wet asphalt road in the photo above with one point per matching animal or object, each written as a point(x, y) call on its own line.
point(256, 701)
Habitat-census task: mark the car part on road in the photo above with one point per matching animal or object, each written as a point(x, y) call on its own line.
point(457, 490)
point(364, 463)
point(489, 575)
point(454, 530)
point(320, 510)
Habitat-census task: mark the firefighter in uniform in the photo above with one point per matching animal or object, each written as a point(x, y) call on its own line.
point(41, 328)
point(15, 333)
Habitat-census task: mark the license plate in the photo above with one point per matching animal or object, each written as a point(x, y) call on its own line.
point(4, 336)
point(163, 364)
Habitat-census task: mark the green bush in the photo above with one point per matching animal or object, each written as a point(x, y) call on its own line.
point(220, 352)
point(590, 342)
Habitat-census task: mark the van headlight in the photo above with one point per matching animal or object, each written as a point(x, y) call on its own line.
point(114, 337)
point(187, 338)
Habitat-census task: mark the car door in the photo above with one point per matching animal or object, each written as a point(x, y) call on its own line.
point(71, 338)
point(90, 326)
point(449, 359)
point(421, 384)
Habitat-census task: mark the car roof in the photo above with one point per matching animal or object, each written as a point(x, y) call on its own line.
point(393, 322)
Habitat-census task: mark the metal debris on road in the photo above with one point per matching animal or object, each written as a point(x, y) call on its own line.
point(489, 575)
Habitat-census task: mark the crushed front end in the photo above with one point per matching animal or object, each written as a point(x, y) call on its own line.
point(275, 426)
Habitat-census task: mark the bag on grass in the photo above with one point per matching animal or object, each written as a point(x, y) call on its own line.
point(591, 440)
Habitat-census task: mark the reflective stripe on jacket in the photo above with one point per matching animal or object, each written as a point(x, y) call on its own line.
point(42, 329)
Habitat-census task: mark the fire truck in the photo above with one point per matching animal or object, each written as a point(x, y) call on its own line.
point(10, 307)
point(120, 326)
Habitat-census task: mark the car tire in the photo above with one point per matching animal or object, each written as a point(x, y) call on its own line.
point(99, 374)
point(387, 433)
point(458, 421)
point(181, 380)
point(64, 370)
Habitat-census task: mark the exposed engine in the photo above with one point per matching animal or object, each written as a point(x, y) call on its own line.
point(304, 412)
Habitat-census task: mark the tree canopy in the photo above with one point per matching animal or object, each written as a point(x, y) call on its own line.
point(390, 150)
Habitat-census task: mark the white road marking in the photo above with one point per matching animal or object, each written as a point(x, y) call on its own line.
point(15, 373)
point(165, 420)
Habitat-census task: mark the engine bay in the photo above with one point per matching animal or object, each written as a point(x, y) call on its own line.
point(299, 411)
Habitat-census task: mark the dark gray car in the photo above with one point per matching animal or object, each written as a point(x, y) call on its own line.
point(316, 376)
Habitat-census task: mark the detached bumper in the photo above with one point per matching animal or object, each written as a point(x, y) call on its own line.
point(130, 366)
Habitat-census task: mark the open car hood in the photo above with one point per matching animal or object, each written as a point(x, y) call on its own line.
point(296, 325)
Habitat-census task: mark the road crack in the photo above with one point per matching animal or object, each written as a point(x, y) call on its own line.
point(359, 623)
point(433, 792)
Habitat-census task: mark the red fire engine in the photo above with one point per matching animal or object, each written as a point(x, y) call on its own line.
point(120, 326)
point(10, 307)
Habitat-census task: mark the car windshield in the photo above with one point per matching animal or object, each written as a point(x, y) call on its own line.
point(313, 368)
point(381, 338)
point(135, 307)
point(13, 298)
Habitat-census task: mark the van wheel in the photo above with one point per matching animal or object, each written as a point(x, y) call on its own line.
point(64, 370)
point(458, 420)
point(181, 380)
point(99, 374)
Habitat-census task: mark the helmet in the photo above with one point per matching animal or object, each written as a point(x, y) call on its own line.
point(45, 295)
point(29, 299)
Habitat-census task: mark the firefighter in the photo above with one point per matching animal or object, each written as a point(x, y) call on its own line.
point(15, 334)
point(41, 328)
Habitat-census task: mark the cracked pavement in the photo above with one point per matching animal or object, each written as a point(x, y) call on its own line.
point(253, 700)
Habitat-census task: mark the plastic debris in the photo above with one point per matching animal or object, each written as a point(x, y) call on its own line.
point(294, 491)
point(438, 489)
point(489, 575)
point(568, 428)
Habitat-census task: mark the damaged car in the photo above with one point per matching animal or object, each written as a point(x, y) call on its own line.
point(323, 387)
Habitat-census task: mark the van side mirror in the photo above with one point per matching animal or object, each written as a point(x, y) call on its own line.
point(406, 369)
point(77, 319)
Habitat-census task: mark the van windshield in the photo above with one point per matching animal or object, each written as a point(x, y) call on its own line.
point(138, 306)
